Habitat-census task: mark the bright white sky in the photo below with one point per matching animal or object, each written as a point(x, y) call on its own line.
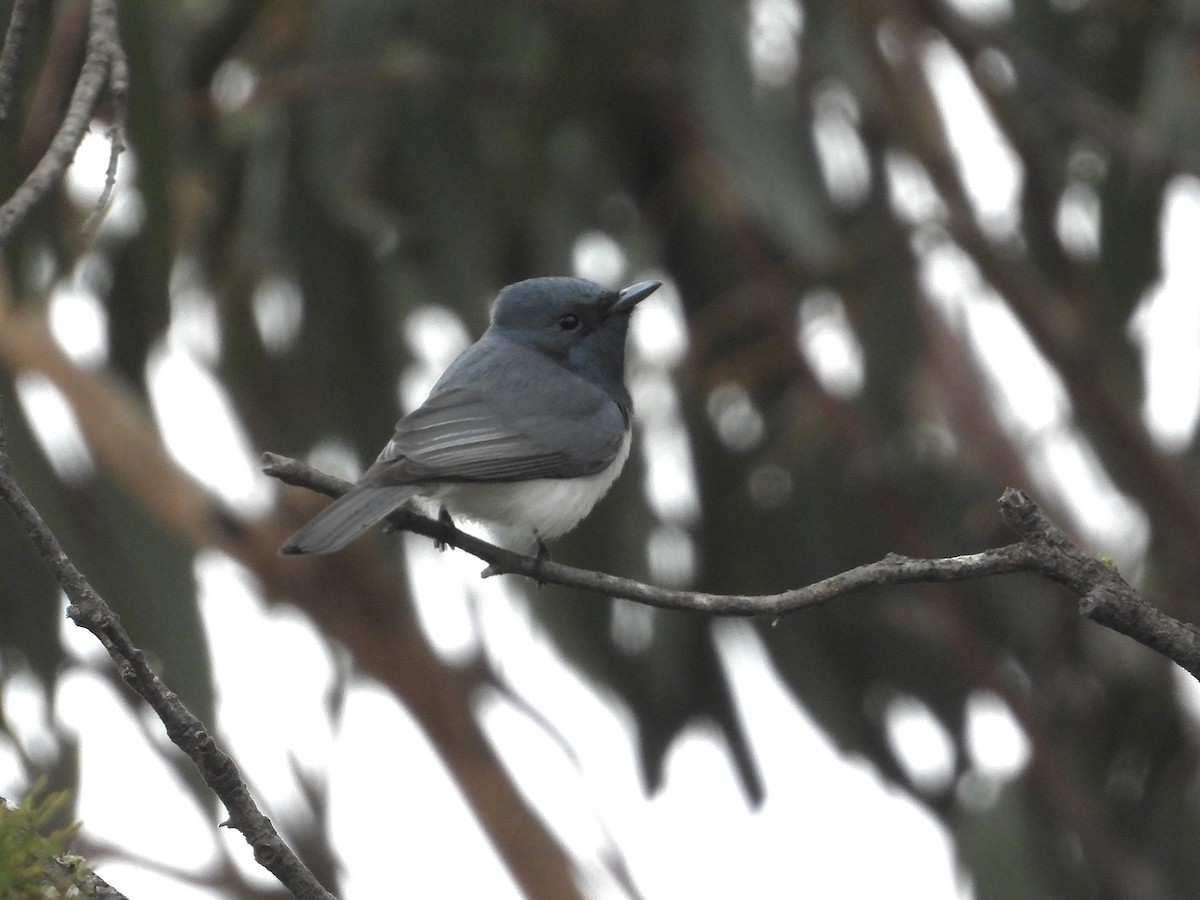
point(697, 837)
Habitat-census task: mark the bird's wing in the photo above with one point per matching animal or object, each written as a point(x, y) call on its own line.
point(535, 422)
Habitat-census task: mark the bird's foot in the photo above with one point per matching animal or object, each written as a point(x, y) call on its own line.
point(543, 554)
point(446, 521)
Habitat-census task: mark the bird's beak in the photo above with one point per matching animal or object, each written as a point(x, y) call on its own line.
point(631, 296)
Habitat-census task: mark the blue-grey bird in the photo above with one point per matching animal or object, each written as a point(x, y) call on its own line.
point(524, 432)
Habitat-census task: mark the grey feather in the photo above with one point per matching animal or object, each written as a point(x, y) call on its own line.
point(347, 517)
point(528, 418)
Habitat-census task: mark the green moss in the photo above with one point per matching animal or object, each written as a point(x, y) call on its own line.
point(29, 846)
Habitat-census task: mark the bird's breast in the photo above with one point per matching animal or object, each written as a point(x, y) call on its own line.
point(522, 511)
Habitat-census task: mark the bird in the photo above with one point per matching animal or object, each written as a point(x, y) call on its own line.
point(524, 432)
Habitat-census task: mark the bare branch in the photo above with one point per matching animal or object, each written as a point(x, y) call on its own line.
point(1045, 550)
point(88, 609)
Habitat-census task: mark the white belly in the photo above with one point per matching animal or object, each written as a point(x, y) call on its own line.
point(520, 512)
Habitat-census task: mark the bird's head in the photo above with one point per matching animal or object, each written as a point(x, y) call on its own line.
point(576, 322)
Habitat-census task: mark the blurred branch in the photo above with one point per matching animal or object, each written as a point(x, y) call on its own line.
point(1042, 84)
point(88, 610)
point(10, 55)
point(103, 66)
point(1045, 550)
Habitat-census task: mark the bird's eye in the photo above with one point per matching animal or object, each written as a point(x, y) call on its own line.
point(569, 322)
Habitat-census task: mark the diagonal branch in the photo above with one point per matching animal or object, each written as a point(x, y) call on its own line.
point(1044, 550)
point(88, 610)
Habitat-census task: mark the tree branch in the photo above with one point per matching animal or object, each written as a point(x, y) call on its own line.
point(1044, 550)
point(87, 609)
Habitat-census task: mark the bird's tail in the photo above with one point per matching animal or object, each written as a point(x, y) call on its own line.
point(346, 518)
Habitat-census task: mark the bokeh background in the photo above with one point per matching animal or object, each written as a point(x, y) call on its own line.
point(915, 251)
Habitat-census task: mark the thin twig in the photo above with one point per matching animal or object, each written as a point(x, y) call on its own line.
point(104, 28)
point(88, 610)
point(1044, 550)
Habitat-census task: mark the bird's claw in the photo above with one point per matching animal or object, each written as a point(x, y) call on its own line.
point(447, 522)
point(543, 554)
